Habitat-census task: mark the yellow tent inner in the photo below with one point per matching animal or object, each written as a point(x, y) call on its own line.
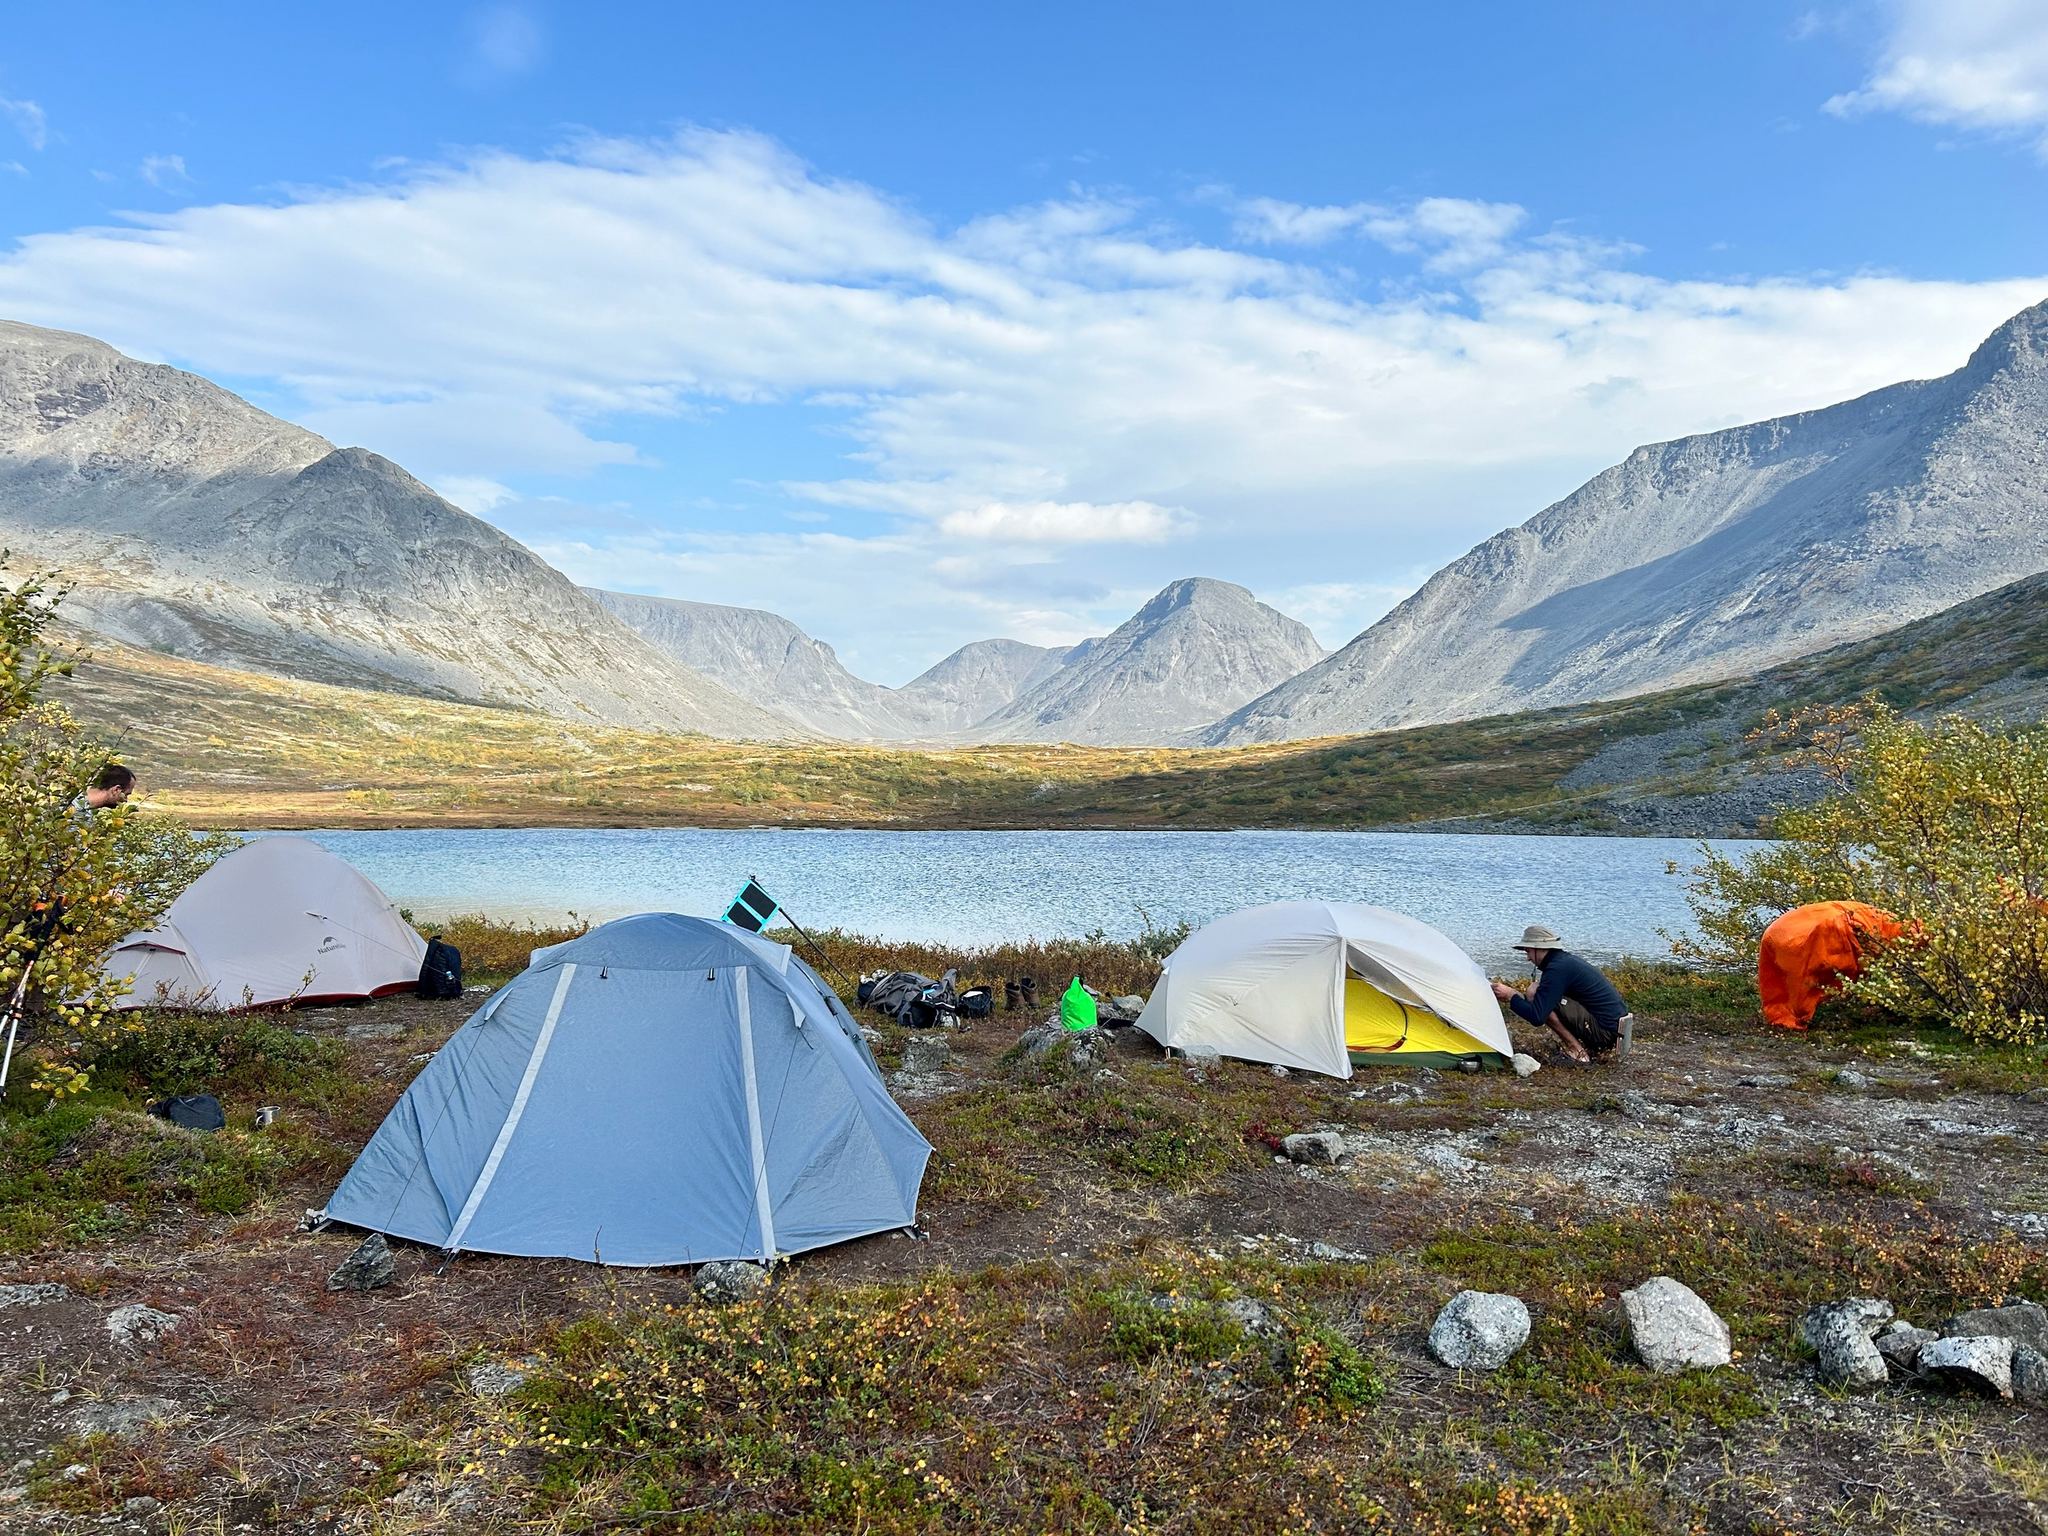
point(1378, 1025)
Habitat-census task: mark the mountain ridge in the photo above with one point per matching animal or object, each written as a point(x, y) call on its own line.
point(1714, 554)
point(188, 520)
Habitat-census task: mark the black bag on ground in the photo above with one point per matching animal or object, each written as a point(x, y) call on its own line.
point(977, 1003)
point(900, 995)
point(441, 971)
point(194, 1111)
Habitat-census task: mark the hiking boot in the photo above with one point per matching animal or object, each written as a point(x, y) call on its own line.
point(1029, 987)
point(1013, 997)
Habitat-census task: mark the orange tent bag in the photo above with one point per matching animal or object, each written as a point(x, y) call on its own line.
point(1808, 953)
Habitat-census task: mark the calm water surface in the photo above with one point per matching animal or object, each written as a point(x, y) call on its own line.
point(1606, 896)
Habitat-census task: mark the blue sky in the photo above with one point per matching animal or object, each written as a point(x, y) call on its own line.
point(920, 323)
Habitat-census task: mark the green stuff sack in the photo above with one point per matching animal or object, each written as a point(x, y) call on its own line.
point(1077, 1008)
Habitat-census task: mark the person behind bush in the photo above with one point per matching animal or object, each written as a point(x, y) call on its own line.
point(1568, 995)
point(111, 787)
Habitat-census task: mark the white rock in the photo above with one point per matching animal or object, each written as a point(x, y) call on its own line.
point(1526, 1065)
point(1319, 1147)
point(491, 1378)
point(1672, 1329)
point(38, 1295)
point(1980, 1363)
point(1840, 1332)
point(1254, 1317)
point(135, 1325)
point(1479, 1330)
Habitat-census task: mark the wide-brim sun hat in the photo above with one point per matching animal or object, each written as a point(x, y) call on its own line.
point(1536, 936)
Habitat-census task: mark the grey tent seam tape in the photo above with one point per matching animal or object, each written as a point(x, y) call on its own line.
point(739, 985)
point(490, 1171)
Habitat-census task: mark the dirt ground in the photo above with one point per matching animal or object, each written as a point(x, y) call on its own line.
point(275, 1404)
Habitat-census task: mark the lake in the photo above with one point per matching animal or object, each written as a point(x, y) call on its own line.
point(1606, 896)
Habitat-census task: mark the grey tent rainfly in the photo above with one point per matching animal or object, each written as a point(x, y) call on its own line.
point(662, 1090)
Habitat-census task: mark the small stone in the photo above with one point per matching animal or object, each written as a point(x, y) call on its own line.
point(1840, 1333)
point(926, 1053)
point(1900, 1344)
point(1672, 1329)
point(141, 1504)
point(125, 1420)
point(1479, 1330)
point(370, 1266)
point(1526, 1065)
point(75, 1471)
point(1849, 1077)
point(1254, 1317)
point(1980, 1363)
point(135, 1325)
point(2024, 1322)
point(2035, 1096)
point(730, 1280)
point(33, 1295)
point(1278, 1070)
point(1330, 1253)
point(489, 1378)
point(1766, 1080)
point(1321, 1148)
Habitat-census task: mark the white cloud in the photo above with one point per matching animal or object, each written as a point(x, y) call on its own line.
point(1270, 221)
point(506, 40)
point(164, 171)
point(1066, 522)
point(30, 121)
point(1972, 63)
point(475, 493)
point(504, 315)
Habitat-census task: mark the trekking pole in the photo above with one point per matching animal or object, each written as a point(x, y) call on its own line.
point(17, 1003)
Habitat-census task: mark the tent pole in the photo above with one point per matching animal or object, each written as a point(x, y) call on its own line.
point(14, 1012)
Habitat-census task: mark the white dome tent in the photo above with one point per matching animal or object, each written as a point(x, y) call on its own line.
point(278, 920)
point(1322, 985)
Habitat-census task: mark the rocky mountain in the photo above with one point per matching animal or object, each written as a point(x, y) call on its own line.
point(981, 679)
point(1714, 556)
point(1193, 653)
point(190, 522)
point(764, 658)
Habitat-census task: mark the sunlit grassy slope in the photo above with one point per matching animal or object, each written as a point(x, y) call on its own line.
point(230, 748)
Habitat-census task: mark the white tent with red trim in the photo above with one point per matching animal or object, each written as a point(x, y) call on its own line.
point(278, 920)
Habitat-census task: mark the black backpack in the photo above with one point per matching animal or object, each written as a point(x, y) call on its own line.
point(193, 1111)
point(441, 971)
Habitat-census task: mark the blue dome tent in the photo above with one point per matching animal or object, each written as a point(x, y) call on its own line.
point(662, 1090)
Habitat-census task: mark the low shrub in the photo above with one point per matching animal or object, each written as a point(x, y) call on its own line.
point(494, 950)
point(157, 1052)
point(86, 1172)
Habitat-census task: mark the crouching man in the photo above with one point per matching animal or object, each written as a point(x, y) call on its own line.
point(1569, 996)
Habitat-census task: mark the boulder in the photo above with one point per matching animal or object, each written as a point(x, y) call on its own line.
point(1970, 1363)
point(1672, 1329)
point(33, 1295)
point(730, 1280)
point(1321, 1148)
point(1526, 1065)
point(1479, 1330)
point(2029, 1374)
point(1254, 1317)
point(2024, 1322)
point(1901, 1342)
point(371, 1265)
point(1841, 1333)
point(1130, 1006)
point(134, 1325)
point(1084, 1047)
point(1330, 1253)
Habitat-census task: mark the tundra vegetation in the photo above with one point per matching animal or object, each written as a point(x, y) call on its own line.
point(1127, 1313)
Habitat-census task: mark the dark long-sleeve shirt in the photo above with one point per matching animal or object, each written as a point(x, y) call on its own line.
point(1566, 975)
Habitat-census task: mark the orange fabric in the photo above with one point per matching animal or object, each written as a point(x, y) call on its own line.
point(1809, 952)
